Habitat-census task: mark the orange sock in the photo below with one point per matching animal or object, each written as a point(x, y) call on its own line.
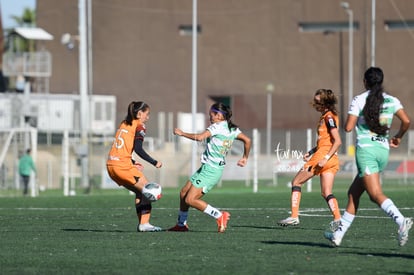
point(333, 206)
point(295, 201)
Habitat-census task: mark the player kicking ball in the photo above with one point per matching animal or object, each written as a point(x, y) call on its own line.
point(219, 137)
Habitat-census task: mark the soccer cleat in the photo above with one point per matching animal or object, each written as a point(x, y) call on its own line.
point(222, 221)
point(331, 237)
point(147, 227)
point(334, 225)
point(178, 228)
point(289, 222)
point(403, 231)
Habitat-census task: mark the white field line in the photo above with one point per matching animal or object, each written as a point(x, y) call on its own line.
point(307, 212)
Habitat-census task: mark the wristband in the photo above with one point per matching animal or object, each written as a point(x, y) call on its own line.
point(327, 157)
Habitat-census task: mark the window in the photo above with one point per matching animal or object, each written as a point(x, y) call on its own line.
point(394, 25)
point(326, 26)
point(187, 30)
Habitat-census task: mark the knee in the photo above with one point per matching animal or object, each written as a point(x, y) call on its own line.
point(296, 182)
point(183, 194)
point(189, 200)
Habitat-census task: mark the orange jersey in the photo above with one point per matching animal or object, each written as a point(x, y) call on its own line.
point(123, 145)
point(327, 122)
point(119, 162)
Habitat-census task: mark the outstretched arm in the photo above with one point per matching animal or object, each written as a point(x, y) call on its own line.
point(141, 152)
point(197, 137)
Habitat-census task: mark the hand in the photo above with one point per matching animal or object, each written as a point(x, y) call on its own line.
point(306, 157)
point(395, 142)
point(139, 166)
point(322, 162)
point(178, 132)
point(242, 162)
point(159, 164)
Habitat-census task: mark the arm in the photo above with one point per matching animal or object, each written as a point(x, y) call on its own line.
point(196, 137)
point(310, 153)
point(139, 150)
point(404, 126)
point(247, 144)
point(350, 123)
point(334, 148)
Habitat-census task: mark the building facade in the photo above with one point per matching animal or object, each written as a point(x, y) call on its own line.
point(142, 50)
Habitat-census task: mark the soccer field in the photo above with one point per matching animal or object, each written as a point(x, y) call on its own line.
point(96, 234)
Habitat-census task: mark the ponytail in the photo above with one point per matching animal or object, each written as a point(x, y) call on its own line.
point(373, 79)
point(133, 108)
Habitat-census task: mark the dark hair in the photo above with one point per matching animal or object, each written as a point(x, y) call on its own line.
point(225, 111)
point(133, 108)
point(327, 100)
point(373, 79)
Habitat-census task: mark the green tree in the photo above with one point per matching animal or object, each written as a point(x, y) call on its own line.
point(19, 44)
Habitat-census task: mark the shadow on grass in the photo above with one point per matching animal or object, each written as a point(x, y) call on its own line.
point(93, 230)
point(298, 243)
point(278, 227)
point(254, 226)
point(385, 255)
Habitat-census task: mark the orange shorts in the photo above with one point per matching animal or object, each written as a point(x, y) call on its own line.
point(332, 165)
point(124, 175)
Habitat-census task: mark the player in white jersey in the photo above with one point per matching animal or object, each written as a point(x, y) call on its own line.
point(219, 138)
point(371, 115)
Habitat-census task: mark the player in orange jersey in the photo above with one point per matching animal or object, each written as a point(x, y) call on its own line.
point(121, 166)
point(322, 160)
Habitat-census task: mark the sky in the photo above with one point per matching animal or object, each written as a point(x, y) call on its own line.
point(14, 7)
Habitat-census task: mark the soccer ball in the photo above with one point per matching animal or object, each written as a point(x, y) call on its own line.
point(152, 191)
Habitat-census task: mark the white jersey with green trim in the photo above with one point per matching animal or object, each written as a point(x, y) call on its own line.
point(365, 137)
point(219, 144)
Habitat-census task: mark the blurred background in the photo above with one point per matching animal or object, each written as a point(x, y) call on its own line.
point(70, 69)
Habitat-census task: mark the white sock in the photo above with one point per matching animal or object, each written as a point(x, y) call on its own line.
point(346, 221)
point(392, 211)
point(213, 212)
point(182, 218)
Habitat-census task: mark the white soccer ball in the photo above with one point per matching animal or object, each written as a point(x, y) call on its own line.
point(152, 191)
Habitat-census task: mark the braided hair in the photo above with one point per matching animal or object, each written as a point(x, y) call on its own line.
point(373, 79)
point(225, 111)
point(133, 108)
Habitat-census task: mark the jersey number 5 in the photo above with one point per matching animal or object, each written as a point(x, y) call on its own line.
point(119, 141)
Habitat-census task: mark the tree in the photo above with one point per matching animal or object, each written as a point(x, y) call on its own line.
point(19, 44)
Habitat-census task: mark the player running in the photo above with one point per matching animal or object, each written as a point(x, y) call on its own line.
point(219, 138)
point(371, 114)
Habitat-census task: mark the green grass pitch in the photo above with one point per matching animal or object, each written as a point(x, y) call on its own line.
point(96, 234)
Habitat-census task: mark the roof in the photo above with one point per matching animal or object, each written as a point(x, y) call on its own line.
point(34, 33)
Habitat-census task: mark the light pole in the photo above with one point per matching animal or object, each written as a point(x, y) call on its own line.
point(373, 33)
point(83, 91)
point(194, 85)
point(345, 5)
point(269, 88)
